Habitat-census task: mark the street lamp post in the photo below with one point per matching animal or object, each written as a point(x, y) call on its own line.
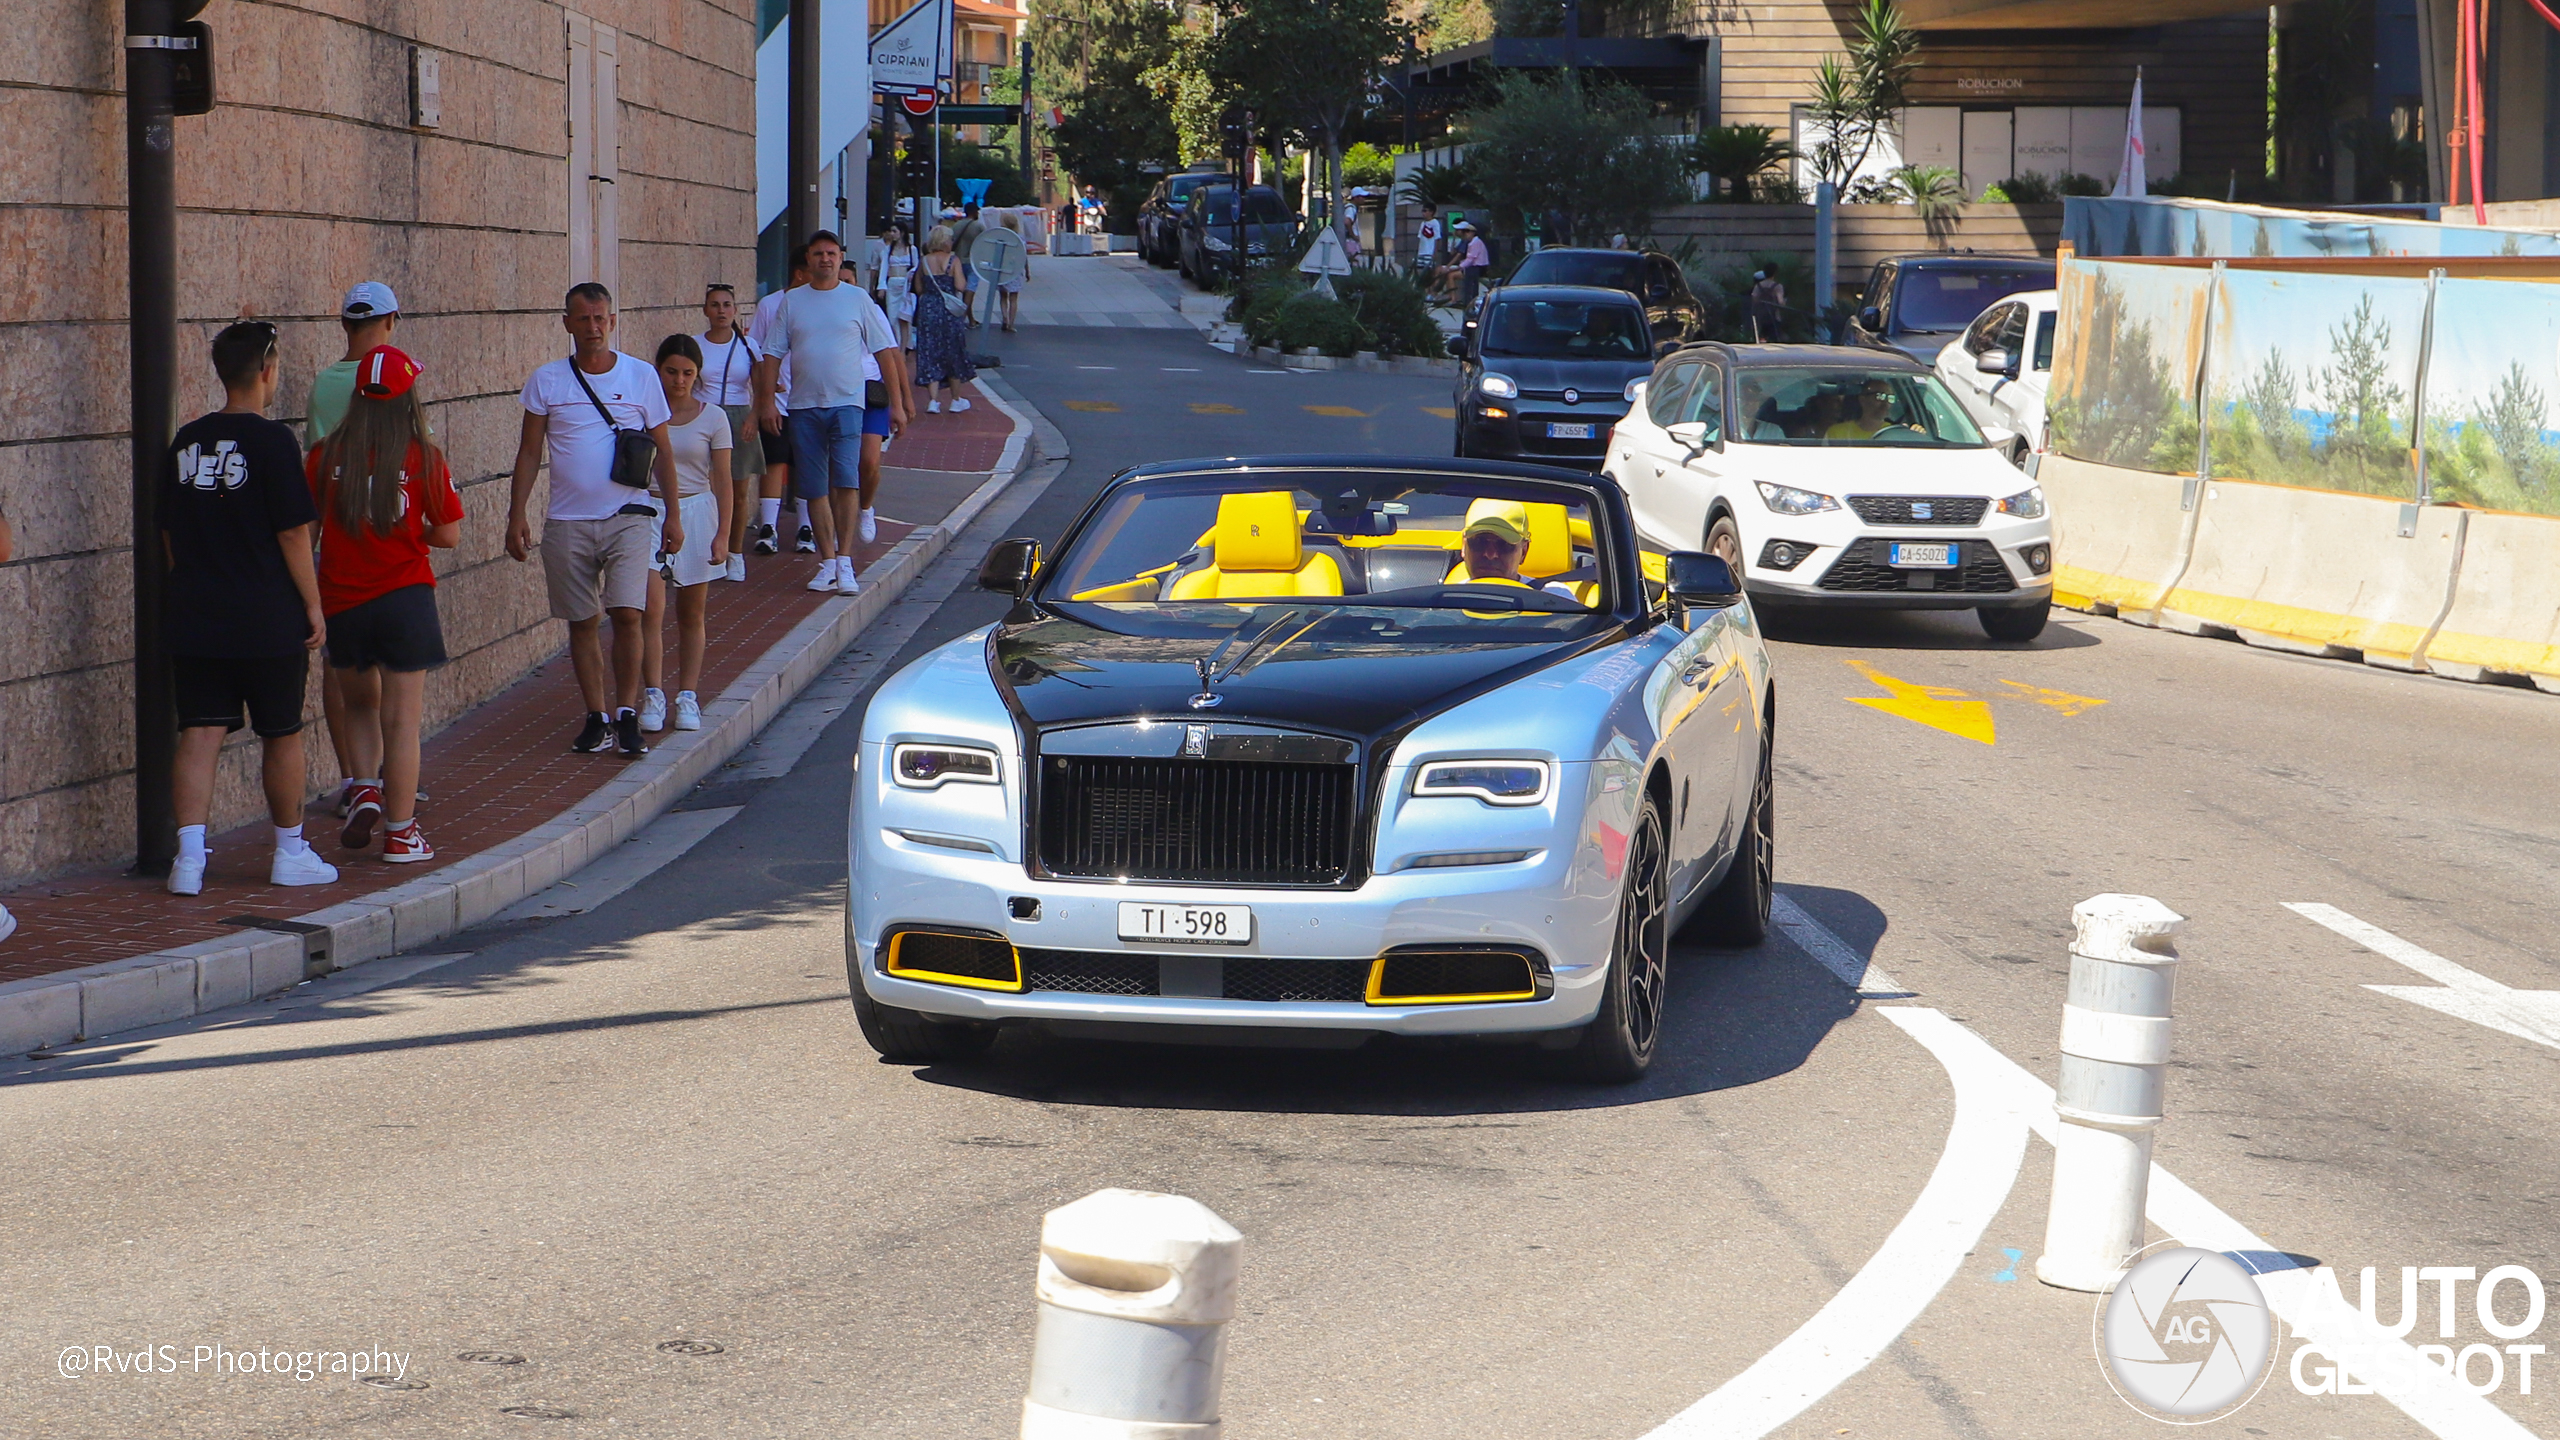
point(151, 258)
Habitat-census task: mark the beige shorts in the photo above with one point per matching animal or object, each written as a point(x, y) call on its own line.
point(591, 566)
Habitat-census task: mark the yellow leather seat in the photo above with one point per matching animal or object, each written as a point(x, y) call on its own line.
point(1256, 553)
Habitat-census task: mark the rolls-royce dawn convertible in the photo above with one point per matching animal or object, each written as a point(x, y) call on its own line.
point(1314, 749)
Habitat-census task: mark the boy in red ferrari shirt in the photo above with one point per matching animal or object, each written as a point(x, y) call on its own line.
point(385, 499)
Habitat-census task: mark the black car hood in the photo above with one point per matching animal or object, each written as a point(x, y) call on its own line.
point(1596, 379)
point(1055, 670)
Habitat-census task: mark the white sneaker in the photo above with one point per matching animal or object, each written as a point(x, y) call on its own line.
point(301, 867)
point(846, 584)
point(826, 576)
point(688, 711)
point(653, 709)
point(8, 923)
point(934, 407)
point(959, 405)
point(870, 525)
point(186, 877)
point(737, 567)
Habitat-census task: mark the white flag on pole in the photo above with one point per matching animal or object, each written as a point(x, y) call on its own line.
point(2129, 171)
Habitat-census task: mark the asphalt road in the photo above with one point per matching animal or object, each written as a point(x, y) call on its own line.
point(594, 1146)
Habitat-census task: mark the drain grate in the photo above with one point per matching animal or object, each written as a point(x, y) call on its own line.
point(690, 1347)
point(537, 1412)
point(390, 1382)
point(490, 1357)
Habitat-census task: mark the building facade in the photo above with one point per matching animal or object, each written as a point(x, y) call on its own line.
point(478, 157)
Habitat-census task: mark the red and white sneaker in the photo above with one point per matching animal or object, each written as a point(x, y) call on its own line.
point(406, 845)
point(364, 810)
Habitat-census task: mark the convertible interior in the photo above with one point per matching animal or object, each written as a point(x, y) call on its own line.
point(1276, 544)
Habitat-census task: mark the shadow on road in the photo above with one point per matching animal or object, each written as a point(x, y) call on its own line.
point(1911, 630)
point(1737, 1017)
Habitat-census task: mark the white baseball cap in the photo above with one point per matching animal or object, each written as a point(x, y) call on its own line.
point(368, 300)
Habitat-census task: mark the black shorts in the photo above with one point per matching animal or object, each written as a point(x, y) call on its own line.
point(398, 631)
point(777, 448)
point(213, 692)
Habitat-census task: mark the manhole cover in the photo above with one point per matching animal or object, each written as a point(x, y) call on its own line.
point(537, 1412)
point(490, 1357)
point(390, 1382)
point(689, 1347)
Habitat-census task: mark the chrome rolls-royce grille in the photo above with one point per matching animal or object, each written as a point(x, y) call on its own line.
point(1207, 821)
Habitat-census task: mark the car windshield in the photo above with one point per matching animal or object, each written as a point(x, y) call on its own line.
point(1836, 406)
point(1261, 207)
point(1181, 186)
point(1621, 270)
point(1565, 330)
point(1484, 551)
point(1927, 298)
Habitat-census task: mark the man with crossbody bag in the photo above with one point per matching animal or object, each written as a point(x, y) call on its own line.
point(600, 417)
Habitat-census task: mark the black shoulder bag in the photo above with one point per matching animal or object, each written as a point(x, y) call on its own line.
point(635, 454)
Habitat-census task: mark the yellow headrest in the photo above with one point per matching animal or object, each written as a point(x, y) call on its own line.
point(1258, 531)
point(1549, 527)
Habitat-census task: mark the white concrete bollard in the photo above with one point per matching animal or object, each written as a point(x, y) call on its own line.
point(2115, 1048)
point(1136, 1290)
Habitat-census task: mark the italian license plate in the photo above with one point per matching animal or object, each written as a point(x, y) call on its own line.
point(1938, 556)
point(1557, 430)
point(1186, 924)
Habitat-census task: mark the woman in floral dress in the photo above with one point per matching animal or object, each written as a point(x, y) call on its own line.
point(942, 329)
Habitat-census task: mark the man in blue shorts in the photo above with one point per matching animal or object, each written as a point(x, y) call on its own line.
point(848, 393)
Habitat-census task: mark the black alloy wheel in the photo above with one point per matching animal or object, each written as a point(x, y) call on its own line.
point(1736, 912)
point(908, 1037)
point(1619, 1042)
point(1724, 541)
point(2014, 624)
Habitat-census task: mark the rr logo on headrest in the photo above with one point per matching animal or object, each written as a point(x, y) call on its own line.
point(1254, 530)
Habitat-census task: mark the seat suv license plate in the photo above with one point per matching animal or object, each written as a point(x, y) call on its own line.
point(1186, 924)
point(1560, 431)
point(1940, 555)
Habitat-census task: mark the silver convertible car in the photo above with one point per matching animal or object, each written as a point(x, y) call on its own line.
point(1316, 749)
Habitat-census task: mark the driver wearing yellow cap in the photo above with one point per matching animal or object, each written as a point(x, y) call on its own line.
point(1496, 537)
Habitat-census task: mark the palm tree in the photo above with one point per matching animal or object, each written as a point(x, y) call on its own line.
point(1740, 154)
point(1438, 187)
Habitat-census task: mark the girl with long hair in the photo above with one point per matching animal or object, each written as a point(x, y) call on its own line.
point(704, 446)
point(385, 498)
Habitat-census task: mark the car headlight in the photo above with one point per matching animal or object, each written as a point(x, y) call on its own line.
point(1495, 782)
point(1500, 387)
point(2027, 504)
point(1788, 500)
point(930, 767)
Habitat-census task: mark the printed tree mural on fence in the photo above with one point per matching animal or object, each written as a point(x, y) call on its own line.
point(2125, 408)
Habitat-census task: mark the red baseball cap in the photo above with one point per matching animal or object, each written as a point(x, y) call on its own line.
point(385, 373)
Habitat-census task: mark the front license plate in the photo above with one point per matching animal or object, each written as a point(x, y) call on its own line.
point(1558, 431)
point(1940, 556)
point(1186, 924)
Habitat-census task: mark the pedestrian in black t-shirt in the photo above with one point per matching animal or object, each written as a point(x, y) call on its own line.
point(243, 603)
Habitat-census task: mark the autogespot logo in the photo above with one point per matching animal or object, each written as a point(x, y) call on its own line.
point(2186, 1335)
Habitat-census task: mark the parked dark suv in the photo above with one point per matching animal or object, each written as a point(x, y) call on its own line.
point(1917, 303)
point(1160, 217)
point(1671, 312)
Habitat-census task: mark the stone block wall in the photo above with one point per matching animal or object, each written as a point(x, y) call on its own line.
point(305, 179)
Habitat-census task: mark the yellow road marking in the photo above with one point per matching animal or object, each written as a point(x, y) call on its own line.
point(2062, 700)
point(1197, 408)
point(1937, 706)
point(1443, 411)
point(1340, 412)
point(1097, 407)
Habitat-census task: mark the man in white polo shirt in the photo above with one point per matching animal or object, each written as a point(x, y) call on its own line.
point(848, 393)
point(600, 538)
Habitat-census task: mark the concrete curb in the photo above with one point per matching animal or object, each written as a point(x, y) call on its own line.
point(1367, 360)
point(168, 985)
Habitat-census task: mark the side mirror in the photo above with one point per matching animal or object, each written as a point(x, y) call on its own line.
point(1635, 393)
point(1992, 362)
point(1009, 566)
point(1694, 577)
point(1691, 433)
point(1871, 319)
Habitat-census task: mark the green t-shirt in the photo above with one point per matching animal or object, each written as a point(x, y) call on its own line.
point(331, 392)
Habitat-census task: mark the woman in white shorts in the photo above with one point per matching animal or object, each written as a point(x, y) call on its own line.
point(703, 442)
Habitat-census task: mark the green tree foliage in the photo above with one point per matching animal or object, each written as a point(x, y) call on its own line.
point(1739, 157)
point(1936, 191)
point(1438, 187)
point(1302, 66)
point(1366, 164)
point(1090, 56)
point(2513, 420)
point(1573, 143)
point(1856, 96)
point(1448, 24)
point(962, 160)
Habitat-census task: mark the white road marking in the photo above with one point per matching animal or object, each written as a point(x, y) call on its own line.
point(1995, 1097)
point(1097, 367)
point(2465, 994)
point(1832, 953)
point(1181, 369)
point(625, 865)
point(1983, 1151)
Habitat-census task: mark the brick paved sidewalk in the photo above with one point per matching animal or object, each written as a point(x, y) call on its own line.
point(500, 769)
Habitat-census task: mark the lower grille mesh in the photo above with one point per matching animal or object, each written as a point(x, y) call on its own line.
point(1861, 568)
point(1247, 977)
